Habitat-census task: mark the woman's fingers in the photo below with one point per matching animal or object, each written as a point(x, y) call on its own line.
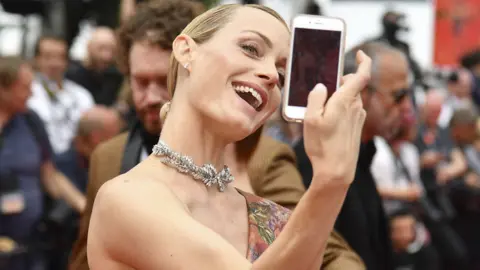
point(345, 78)
point(354, 84)
point(316, 101)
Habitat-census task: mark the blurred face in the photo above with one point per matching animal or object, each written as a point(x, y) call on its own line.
point(462, 88)
point(14, 99)
point(148, 81)
point(389, 104)
point(407, 120)
point(86, 144)
point(403, 232)
point(112, 126)
point(102, 51)
point(433, 108)
point(247, 60)
point(52, 58)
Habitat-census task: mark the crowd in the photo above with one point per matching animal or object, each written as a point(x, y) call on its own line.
point(69, 127)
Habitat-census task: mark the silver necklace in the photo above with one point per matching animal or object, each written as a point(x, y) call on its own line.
point(184, 164)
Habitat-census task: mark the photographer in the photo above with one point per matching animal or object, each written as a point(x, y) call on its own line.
point(27, 174)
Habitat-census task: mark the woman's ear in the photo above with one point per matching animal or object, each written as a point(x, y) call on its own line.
point(184, 48)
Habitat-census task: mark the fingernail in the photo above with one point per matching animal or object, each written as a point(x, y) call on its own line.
point(319, 87)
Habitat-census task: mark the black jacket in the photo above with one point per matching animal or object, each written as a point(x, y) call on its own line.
point(362, 221)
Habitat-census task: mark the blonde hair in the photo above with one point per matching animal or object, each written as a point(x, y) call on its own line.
point(203, 27)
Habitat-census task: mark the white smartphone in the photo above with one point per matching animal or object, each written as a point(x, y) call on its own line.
point(317, 49)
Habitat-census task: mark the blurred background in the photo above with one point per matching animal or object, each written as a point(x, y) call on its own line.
point(73, 42)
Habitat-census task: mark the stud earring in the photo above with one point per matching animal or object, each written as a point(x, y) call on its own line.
point(185, 66)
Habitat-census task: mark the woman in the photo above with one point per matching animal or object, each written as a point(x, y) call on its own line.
point(155, 217)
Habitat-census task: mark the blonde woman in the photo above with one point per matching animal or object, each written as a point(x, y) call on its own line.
point(173, 212)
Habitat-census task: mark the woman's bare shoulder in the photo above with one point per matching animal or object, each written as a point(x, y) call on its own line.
point(130, 190)
point(134, 221)
point(124, 208)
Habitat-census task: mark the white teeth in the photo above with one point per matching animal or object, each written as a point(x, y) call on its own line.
point(255, 94)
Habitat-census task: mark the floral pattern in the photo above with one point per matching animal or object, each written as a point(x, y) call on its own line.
point(266, 220)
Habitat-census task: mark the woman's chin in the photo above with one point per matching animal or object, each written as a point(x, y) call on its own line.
point(234, 125)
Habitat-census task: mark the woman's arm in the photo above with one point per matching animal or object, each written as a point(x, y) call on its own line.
point(138, 223)
point(302, 242)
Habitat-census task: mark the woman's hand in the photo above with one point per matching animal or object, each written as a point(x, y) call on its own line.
point(332, 131)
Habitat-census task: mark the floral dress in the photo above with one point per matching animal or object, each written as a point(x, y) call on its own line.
point(266, 220)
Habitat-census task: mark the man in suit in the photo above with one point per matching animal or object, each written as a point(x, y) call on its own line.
point(362, 220)
point(272, 171)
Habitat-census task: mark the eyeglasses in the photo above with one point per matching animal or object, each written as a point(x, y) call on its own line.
point(398, 96)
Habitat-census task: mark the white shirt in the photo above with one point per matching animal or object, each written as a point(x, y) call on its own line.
point(60, 113)
point(387, 174)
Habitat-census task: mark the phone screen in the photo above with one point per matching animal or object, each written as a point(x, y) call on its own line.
point(315, 59)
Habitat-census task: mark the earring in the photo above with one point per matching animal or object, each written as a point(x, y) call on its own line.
point(164, 111)
point(185, 66)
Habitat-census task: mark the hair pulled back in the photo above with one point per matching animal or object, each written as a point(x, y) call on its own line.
point(202, 29)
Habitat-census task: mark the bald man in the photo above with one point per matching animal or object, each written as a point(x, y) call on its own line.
point(432, 108)
point(101, 49)
point(95, 126)
point(97, 71)
point(432, 138)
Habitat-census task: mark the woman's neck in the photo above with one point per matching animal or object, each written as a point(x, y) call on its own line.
point(185, 132)
point(237, 167)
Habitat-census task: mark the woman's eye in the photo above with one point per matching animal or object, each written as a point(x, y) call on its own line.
point(250, 49)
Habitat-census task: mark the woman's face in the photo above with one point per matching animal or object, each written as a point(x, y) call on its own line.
point(241, 71)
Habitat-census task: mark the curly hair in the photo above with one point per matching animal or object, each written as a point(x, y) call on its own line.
point(156, 22)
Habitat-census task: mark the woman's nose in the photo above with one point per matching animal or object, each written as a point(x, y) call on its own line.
point(269, 77)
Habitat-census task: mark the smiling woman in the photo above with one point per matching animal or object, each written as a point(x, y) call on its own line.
point(225, 78)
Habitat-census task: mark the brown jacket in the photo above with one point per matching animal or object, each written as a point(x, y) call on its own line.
point(273, 174)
